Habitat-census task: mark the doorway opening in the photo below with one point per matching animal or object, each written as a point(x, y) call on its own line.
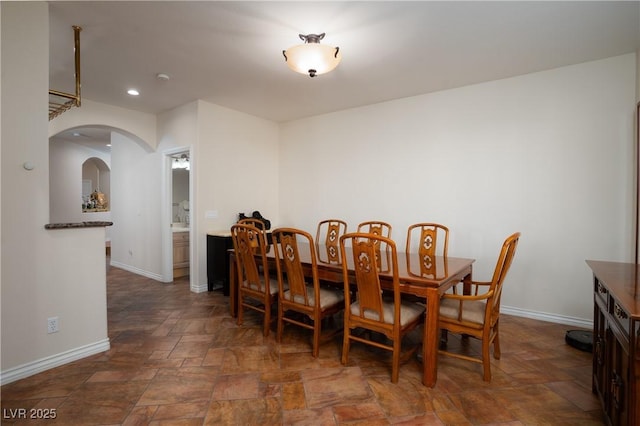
point(179, 201)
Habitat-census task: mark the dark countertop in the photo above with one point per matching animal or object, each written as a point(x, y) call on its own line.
point(90, 224)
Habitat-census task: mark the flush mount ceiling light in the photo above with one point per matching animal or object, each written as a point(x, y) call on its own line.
point(312, 57)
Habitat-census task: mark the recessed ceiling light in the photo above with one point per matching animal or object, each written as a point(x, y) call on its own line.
point(133, 92)
point(76, 134)
point(109, 145)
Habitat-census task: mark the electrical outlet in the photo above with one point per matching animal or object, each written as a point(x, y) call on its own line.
point(52, 325)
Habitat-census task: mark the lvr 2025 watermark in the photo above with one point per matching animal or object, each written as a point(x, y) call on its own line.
point(31, 413)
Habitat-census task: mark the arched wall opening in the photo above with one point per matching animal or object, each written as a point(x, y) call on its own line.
point(129, 167)
point(78, 157)
point(96, 186)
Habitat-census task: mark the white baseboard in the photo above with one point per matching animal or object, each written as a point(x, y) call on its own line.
point(542, 316)
point(201, 288)
point(138, 271)
point(38, 366)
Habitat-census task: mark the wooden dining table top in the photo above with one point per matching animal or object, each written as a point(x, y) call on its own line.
point(411, 269)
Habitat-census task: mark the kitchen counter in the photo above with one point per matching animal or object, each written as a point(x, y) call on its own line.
point(89, 224)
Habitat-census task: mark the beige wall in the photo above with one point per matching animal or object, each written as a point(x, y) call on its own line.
point(237, 171)
point(638, 75)
point(139, 126)
point(45, 273)
point(548, 154)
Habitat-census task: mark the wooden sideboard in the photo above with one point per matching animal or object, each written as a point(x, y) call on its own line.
point(616, 340)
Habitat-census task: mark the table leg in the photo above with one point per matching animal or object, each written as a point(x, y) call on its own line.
point(431, 339)
point(466, 284)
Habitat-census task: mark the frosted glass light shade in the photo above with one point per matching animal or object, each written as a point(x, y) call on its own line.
point(312, 58)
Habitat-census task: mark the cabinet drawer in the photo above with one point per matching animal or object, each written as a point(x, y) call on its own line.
point(180, 237)
point(619, 315)
point(601, 292)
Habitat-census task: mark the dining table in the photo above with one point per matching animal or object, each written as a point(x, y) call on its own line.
point(427, 278)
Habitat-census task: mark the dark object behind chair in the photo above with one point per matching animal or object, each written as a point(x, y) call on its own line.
point(266, 223)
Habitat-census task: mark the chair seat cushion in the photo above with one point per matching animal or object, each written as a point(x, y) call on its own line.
point(408, 312)
point(328, 297)
point(273, 286)
point(473, 310)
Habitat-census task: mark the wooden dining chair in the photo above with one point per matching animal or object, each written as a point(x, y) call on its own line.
point(328, 240)
point(428, 240)
point(375, 227)
point(478, 314)
point(425, 241)
point(301, 294)
point(254, 283)
point(253, 222)
point(263, 229)
point(367, 309)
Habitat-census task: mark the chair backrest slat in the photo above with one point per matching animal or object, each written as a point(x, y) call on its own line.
point(289, 264)
point(428, 240)
point(375, 227)
point(368, 264)
point(328, 234)
point(249, 242)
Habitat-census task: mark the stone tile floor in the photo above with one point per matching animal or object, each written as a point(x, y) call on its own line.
point(178, 358)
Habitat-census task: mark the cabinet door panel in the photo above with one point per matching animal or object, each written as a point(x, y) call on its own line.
point(599, 349)
point(617, 381)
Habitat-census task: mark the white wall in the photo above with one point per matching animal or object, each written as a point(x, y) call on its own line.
point(237, 171)
point(136, 238)
point(547, 154)
point(177, 131)
point(240, 155)
point(45, 273)
point(638, 75)
point(234, 168)
point(138, 126)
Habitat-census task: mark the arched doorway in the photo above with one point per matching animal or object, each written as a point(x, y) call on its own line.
point(96, 186)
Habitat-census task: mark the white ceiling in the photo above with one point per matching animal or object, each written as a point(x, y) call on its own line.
point(230, 53)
